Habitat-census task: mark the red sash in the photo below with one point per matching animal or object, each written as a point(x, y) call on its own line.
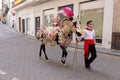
point(87, 42)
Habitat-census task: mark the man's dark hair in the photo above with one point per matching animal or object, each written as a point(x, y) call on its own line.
point(88, 22)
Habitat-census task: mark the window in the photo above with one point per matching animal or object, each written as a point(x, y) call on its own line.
point(97, 16)
point(93, 10)
point(48, 17)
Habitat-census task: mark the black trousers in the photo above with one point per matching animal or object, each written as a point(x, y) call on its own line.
point(42, 47)
point(92, 51)
point(64, 52)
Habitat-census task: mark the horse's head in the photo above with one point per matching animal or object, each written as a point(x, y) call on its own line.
point(77, 25)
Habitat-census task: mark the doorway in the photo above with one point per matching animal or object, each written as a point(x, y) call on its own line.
point(19, 19)
point(23, 25)
point(37, 24)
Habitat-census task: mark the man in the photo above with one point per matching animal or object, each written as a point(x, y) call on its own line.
point(13, 24)
point(89, 44)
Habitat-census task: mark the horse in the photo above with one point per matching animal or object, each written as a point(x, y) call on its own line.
point(62, 38)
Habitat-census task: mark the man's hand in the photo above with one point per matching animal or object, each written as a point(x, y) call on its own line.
point(77, 40)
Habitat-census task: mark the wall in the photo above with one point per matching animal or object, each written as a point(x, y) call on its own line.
point(34, 11)
point(27, 13)
point(116, 26)
point(108, 23)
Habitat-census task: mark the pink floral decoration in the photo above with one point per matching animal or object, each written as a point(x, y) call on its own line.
point(68, 11)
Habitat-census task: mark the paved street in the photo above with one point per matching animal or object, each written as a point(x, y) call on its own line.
point(19, 61)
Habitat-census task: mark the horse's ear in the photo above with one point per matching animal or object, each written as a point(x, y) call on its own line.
point(75, 23)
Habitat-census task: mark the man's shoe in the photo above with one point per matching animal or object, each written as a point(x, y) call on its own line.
point(88, 67)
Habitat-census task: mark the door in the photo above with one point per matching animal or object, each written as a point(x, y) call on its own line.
point(19, 24)
point(37, 24)
point(23, 25)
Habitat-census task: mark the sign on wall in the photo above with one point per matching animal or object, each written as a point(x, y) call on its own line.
point(16, 2)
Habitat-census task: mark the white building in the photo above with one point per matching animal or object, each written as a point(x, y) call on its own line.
point(6, 10)
point(31, 14)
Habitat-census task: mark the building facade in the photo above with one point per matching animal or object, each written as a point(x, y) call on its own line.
point(5, 9)
point(32, 14)
point(116, 26)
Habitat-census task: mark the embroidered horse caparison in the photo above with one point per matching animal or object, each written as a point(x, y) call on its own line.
point(60, 35)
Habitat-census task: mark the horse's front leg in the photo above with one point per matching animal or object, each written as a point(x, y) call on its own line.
point(42, 47)
point(64, 54)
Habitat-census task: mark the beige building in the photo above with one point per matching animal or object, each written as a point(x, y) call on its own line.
point(116, 26)
point(5, 9)
point(32, 14)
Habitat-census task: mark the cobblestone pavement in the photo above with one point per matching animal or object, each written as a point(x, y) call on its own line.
point(19, 61)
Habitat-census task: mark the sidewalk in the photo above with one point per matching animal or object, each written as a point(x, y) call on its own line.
point(72, 45)
point(100, 50)
point(9, 28)
point(14, 30)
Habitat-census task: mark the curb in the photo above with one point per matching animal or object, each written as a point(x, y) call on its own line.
point(100, 50)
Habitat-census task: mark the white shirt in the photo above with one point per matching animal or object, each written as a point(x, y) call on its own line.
point(88, 34)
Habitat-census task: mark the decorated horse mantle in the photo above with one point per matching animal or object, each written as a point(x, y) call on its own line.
point(57, 35)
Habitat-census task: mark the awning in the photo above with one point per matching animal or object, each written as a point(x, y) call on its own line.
point(28, 3)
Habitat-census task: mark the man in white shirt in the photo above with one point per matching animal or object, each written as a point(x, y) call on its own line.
point(89, 44)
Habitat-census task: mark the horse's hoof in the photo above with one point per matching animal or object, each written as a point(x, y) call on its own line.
point(48, 60)
point(40, 57)
point(64, 64)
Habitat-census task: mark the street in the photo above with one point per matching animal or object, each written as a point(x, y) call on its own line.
point(19, 60)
